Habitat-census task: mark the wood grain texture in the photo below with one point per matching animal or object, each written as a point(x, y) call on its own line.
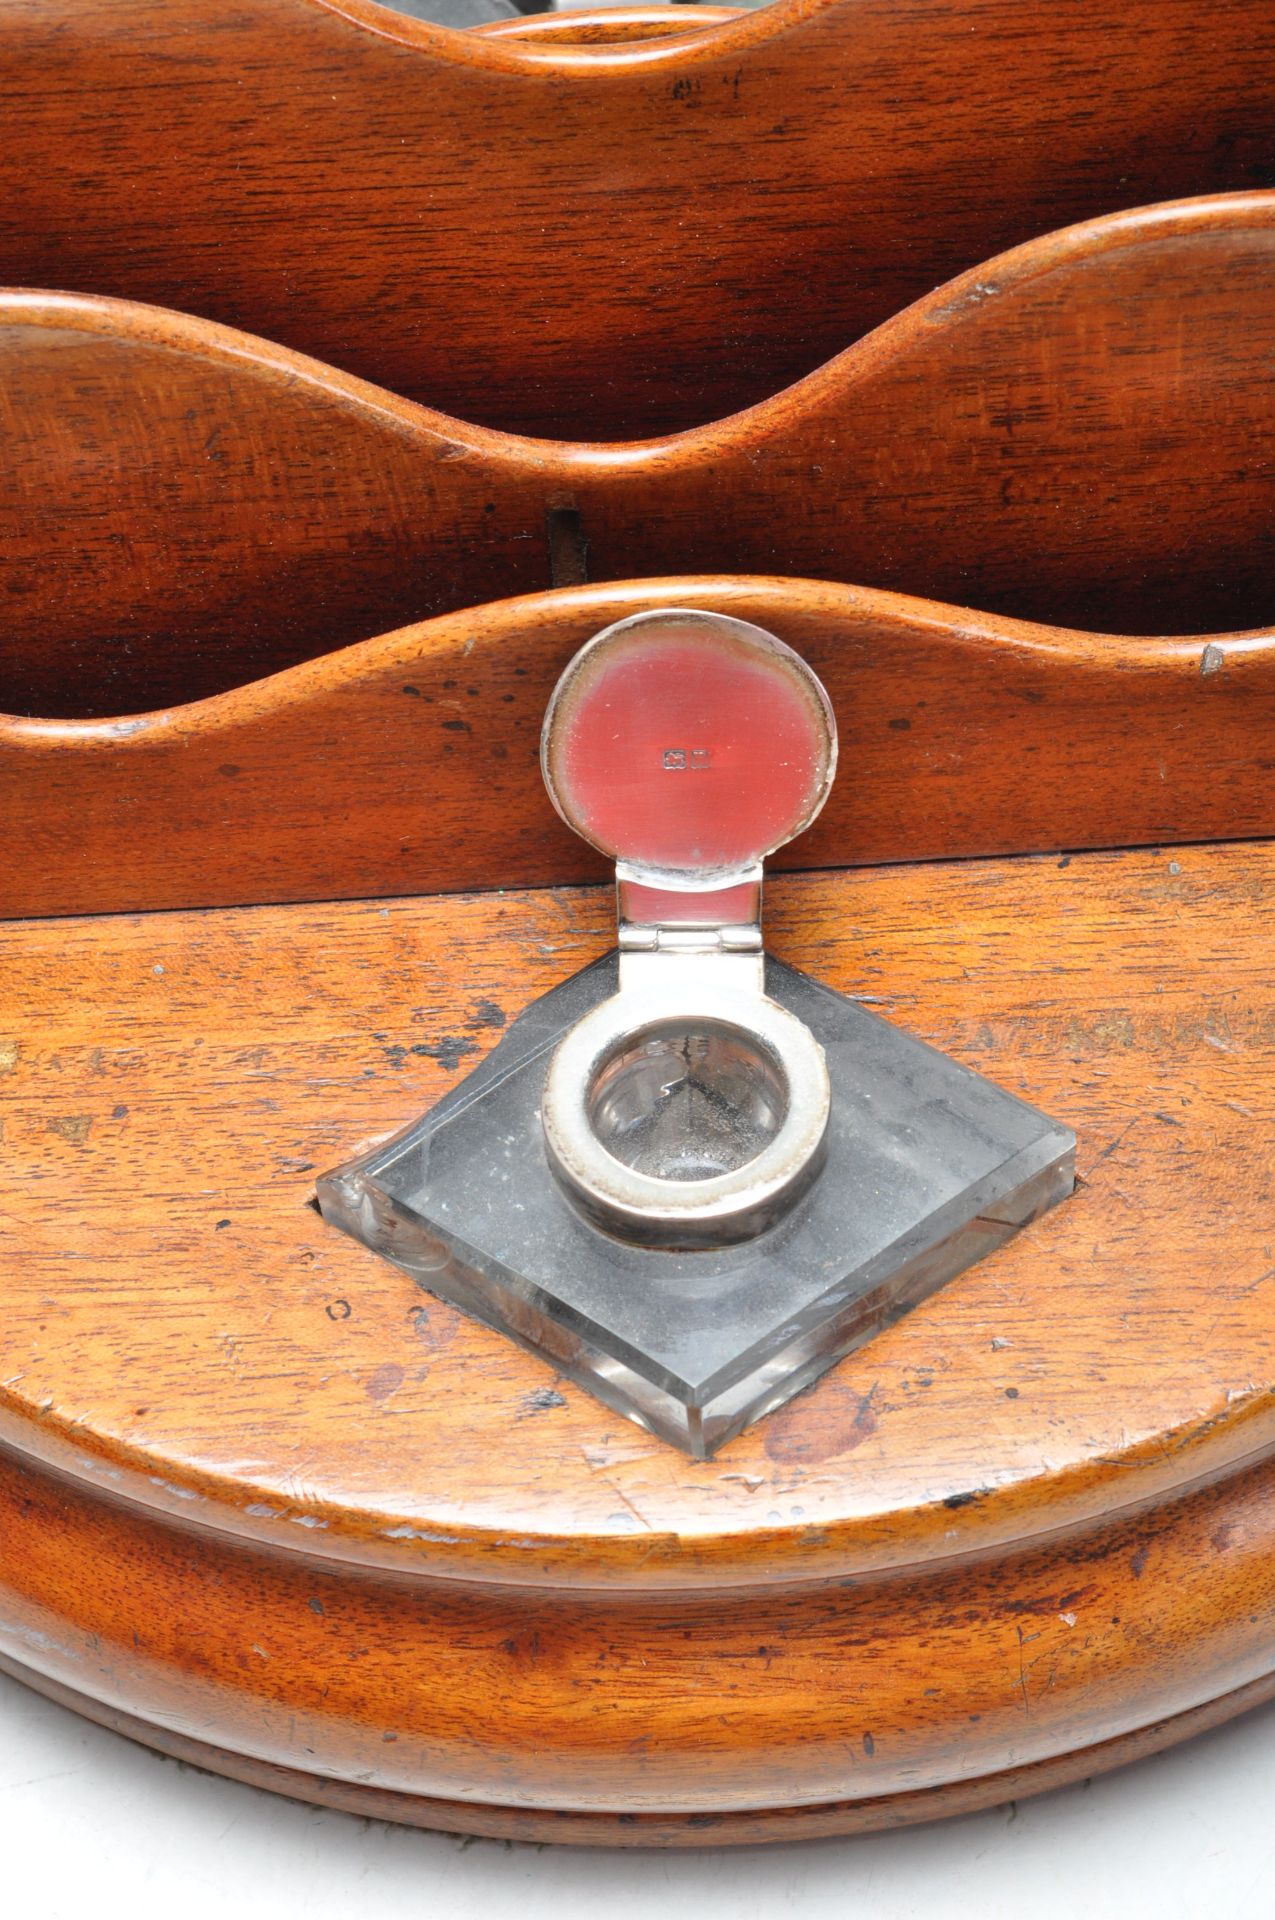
point(596, 240)
point(411, 762)
point(609, 25)
point(1079, 434)
point(681, 1830)
point(260, 1493)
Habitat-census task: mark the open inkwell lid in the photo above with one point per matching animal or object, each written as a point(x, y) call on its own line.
point(689, 1110)
point(690, 1177)
point(688, 746)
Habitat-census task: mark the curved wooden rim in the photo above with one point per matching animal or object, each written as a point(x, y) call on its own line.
point(606, 26)
point(736, 1703)
point(830, 384)
point(448, 634)
point(700, 320)
point(227, 801)
point(1161, 1467)
point(766, 1826)
point(741, 29)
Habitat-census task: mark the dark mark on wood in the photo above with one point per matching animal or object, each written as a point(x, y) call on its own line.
point(568, 548)
point(543, 1400)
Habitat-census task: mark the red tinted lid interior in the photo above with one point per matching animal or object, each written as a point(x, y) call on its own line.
point(688, 745)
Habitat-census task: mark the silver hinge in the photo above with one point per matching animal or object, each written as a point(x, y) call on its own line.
point(731, 949)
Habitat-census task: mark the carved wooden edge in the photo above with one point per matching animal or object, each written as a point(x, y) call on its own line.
point(1000, 276)
point(269, 362)
point(1102, 1492)
point(823, 394)
point(703, 303)
point(354, 774)
point(765, 1827)
point(723, 28)
point(957, 1688)
point(580, 26)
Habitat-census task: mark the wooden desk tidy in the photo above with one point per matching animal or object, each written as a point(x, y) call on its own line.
point(279, 868)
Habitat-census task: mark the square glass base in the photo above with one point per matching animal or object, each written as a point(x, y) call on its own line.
point(929, 1167)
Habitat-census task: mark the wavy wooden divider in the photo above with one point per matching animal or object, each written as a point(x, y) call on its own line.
point(307, 169)
point(410, 763)
point(1079, 433)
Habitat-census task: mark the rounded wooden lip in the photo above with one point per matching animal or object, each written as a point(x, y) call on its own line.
point(505, 47)
point(607, 25)
point(682, 1829)
point(1129, 654)
point(228, 801)
point(839, 179)
point(1001, 275)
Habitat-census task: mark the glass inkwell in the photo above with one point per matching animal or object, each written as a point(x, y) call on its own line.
point(690, 1177)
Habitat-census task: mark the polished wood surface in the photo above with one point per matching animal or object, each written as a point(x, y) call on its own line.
point(411, 763)
point(581, 27)
point(274, 632)
point(1077, 434)
point(655, 1829)
point(596, 239)
point(261, 1494)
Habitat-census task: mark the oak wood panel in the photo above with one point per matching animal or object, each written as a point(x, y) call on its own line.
point(1080, 434)
point(411, 762)
point(596, 240)
point(260, 1491)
